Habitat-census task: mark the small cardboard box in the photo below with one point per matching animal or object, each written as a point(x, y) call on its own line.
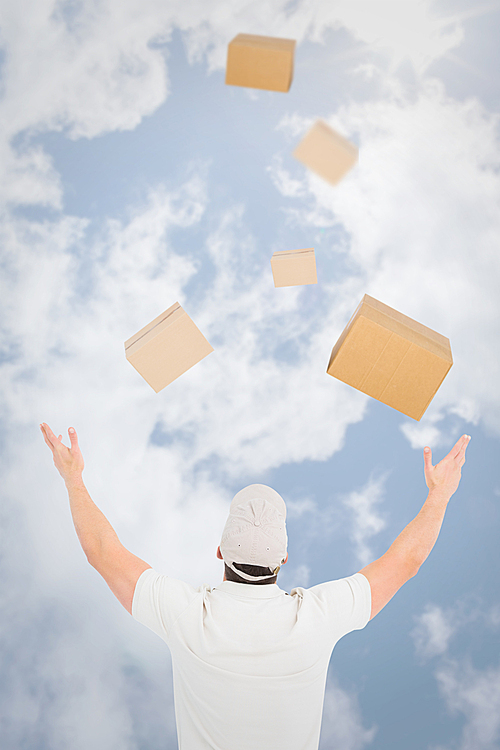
point(391, 357)
point(294, 267)
point(260, 62)
point(166, 347)
point(326, 152)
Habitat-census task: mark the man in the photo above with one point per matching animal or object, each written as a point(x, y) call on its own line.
point(249, 660)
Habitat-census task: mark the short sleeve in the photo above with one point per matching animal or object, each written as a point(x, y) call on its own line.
point(346, 603)
point(159, 600)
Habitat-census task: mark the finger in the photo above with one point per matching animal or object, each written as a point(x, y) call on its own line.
point(427, 458)
point(73, 438)
point(55, 442)
point(46, 438)
point(464, 442)
point(49, 436)
point(460, 445)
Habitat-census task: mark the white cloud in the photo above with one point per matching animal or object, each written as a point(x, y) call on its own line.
point(297, 508)
point(72, 659)
point(286, 185)
point(424, 433)
point(433, 632)
point(474, 693)
point(407, 31)
point(28, 177)
point(423, 197)
point(91, 68)
point(342, 726)
point(73, 674)
point(298, 577)
point(467, 690)
point(367, 522)
point(88, 67)
point(437, 626)
point(493, 617)
point(411, 32)
point(432, 430)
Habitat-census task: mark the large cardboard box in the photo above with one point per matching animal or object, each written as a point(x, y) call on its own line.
point(294, 267)
point(326, 152)
point(260, 62)
point(391, 357)
point(166, 347)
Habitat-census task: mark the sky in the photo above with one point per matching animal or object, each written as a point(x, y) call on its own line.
point(131, 178)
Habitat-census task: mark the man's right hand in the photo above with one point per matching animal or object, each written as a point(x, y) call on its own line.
point(68, 461)
point(444, 478)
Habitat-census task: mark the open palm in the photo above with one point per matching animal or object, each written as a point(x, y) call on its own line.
point(68, 461)
point(445, 476)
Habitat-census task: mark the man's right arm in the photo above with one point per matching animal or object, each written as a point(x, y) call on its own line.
point(104, 551)
point(120, 568)
point(412, 547)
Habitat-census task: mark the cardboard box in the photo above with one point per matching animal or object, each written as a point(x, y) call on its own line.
point(260, 62)
point(294, 267)
point(326, 152)
point(166, 347)
point(391, 357)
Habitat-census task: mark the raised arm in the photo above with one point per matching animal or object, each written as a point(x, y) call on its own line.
point(412, 547)
point(104, 551)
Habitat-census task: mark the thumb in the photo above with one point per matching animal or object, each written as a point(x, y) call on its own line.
point(427, 458)
point(72, 437)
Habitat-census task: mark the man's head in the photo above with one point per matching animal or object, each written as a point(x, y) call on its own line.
point(255, 535)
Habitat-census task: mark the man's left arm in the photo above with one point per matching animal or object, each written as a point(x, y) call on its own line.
point(412, 547)
point(104, 551)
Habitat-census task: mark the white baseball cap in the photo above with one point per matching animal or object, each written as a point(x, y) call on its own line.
point(255, 531)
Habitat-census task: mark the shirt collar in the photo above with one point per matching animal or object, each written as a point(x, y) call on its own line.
point(250, 590)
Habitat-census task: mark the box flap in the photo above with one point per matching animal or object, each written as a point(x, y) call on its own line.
point(265, 42)
point(151, 329)
point(291, 253)
point(322, 126)
point(401, 324)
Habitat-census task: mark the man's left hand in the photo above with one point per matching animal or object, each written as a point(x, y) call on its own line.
point(68, 461)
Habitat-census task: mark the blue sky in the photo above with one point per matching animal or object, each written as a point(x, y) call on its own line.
point(131, 177)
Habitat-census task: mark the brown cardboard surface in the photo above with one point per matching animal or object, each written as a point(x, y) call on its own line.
point(294, 267)
point(260, 62)
point(167, 347)
point(391, 357)
point(326, 152)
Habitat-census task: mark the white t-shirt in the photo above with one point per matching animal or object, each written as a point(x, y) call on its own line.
point(250, 662)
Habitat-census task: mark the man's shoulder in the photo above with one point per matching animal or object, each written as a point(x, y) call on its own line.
point(332, 583)
point(159, 600)
point(345, 599)
point(338, 588)
point(165, 578)
point(154, 586)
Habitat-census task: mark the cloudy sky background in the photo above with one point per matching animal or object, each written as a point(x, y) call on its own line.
point(131, 177)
